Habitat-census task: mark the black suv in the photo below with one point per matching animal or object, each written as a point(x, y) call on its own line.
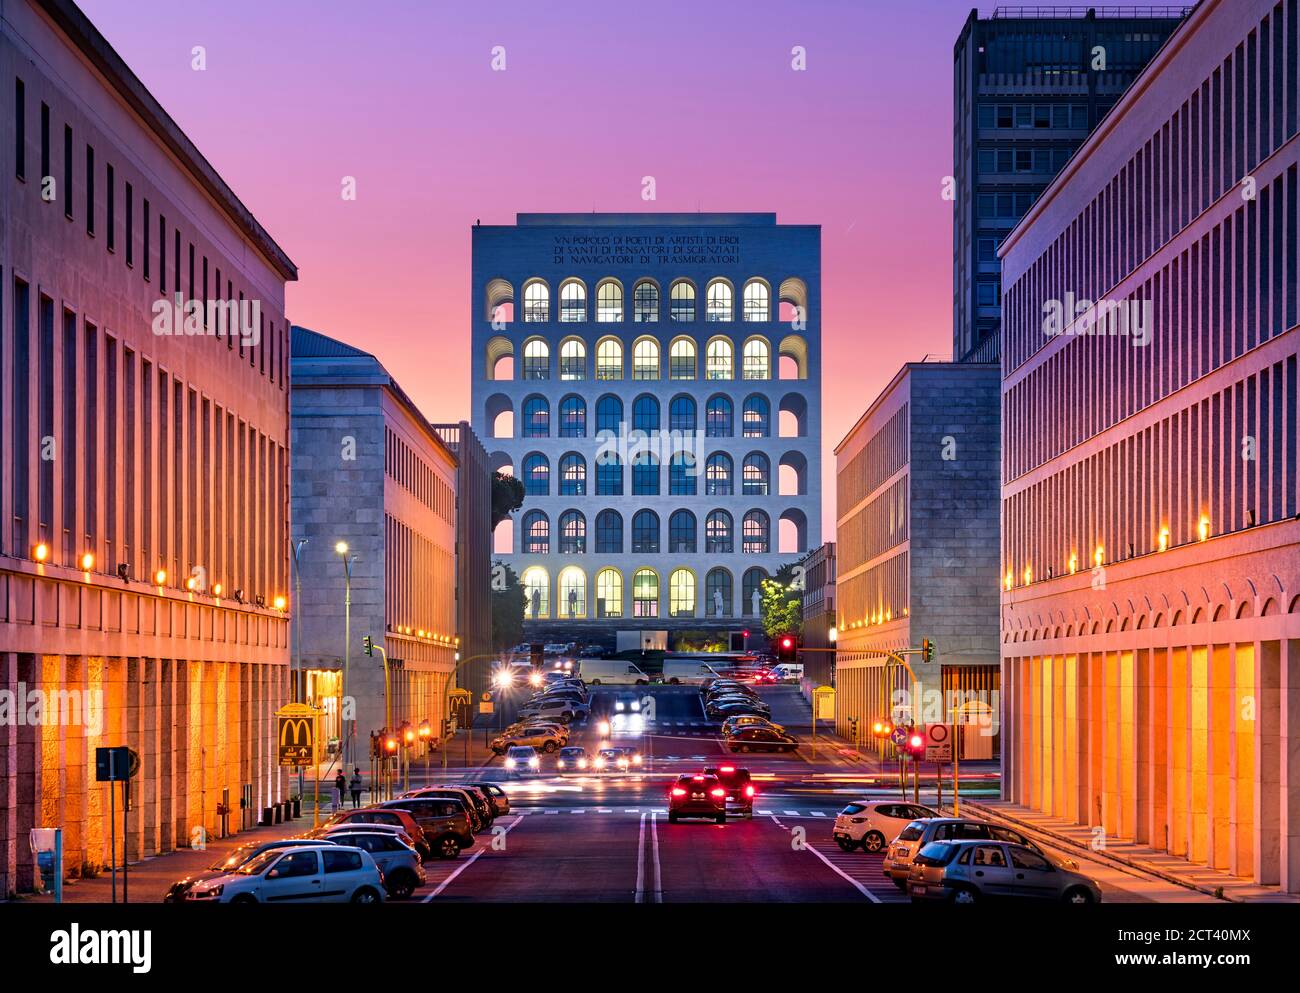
point(739, 786)
point(697, 796)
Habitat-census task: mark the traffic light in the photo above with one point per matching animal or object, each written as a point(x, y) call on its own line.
point(881, 729)
point(786, 648)
point(390, 743)
point(853, 728)
point(927, 650)
point(915, 744)
point(408, 735)
point(369, 644)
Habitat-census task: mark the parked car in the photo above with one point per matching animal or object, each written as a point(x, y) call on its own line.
point(872, 824)
point(739, 785)
point(918, 834)
point(521, 759)
point(392, 817)
point(533, 737)
point(447, 822)
point(229, 863)
point(723, 709)
point(498, 797)
point(316, 873)
point(697, 796)
point(732, 724)
point(973, 871)
point(477, 801)
point(562, 710)
point(402, 870)
point(761, 739)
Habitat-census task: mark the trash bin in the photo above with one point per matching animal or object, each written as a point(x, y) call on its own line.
point(297, 806)
point(268, 817)
point(277, 812)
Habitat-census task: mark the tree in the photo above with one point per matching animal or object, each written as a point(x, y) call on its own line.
point(507, 607)
point(781, 608)
point(507, 496)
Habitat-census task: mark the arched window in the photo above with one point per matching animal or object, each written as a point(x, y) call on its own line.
point(682, 474)
point(681, 531)
point(537, 533)
point(537, 302)
point(609, 414)
point(718, 417)
point(573, 533)
point(750, 591)
point(645, 474)
point(573, 301)
point(717, 474)
point(499, 358)
point(645, 359)
point(755, 533)
point(609, 532)
point(755, 474)
point(719, 303)
point(681, 593)
point(537, 359)
point(758, 359)
point(537, 475)
point(609, 359)
point(573, 475)
point(573, 592)
point(609, 593)
point(609, 302)
point(573, 359)
point(681, 359)
point(681, 414)
point(536, 418)
point(537, 589)
point(718, 536)
point(573, 417)
point(609, 474)
point(756, 419)
point(645, 413)
point(645, 593)
point(645, 302)
point(717, 593)
point(645, 532)
point(758, 301)
point(719, 360)
point(681, 301)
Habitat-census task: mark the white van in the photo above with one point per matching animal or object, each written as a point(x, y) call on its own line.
point(788, 672)
point(594, 672)
point(691, 672)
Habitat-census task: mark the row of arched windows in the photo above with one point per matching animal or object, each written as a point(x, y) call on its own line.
point(719, 301)
point(647, 416)
point(608, 596)
point(648, 361)
point(719, 477)
point(647, 533)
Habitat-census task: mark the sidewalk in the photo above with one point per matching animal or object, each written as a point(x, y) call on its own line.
point(1126, 854)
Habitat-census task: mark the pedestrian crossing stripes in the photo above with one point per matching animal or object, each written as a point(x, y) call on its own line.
point(527, 811)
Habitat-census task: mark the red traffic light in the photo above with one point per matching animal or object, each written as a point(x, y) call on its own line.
point(787, 642)
point(916, 742)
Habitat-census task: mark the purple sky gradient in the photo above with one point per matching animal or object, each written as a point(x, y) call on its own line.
point(700, 95)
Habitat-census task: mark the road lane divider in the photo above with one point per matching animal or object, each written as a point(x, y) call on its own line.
point(837, 870)
point(470, 861)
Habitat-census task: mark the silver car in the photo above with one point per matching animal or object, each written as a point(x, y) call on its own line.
point(319, 873)
point(398, 861)
point(973, 871)
point(898, 856)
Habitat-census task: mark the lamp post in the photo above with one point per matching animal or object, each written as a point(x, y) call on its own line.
point(342, 549)
point(297, 619)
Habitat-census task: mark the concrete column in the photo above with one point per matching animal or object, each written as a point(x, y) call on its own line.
point(134, 724)
point(1198, 812)
point(1070, 739)
point(1060, 777)
point(65, 748)
point(1127, 754)
point(1142, 746)
point(30, 777)
point(1289, 766)
point(1157, 831)
point(1008, 761)
point(1180, 738)
point(149, 771)
point(1267, 745)
point(1243, 772)
point(1219, 785)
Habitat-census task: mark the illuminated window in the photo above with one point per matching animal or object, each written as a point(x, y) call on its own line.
point(573, 533)
point(681, 359)
point(573, 302)
point(645, 302)
point(536, 418)
point(718, 418)
point(645, 359)
point(609, 359)
point(609, 302)
point(537, 359)
point(719, 360)
point(537, 475)
point(681, 593)
point(718, 538)
point(681, 301)
point(573, 475)
point(573, 359)
point(537, 533)
point(754, 533)
point(645, 593)
point(609, 593)
point(756, 418)
point(755, 474)
point(536, 586)
point(719, 302)
point(758, 359)
point(537, 302)
point(717, 474)
point(757, 301)
point(573, 417)
point(573, 592)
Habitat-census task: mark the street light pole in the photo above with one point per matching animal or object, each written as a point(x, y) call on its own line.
point(342, 548)
point(297, 673)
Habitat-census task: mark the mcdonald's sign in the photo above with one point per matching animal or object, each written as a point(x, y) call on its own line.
point(297, 734)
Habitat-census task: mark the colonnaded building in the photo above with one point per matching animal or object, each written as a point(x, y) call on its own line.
point(143, 461)
point(1150, 527)
point(655, 381)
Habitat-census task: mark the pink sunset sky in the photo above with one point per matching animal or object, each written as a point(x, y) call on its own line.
point(701, 95)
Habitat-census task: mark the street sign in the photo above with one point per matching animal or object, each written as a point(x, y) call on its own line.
point(938, 743)
point(898, 736)
point(115, 764)
point(485, 707)
point(824, 703)
point(297, 734)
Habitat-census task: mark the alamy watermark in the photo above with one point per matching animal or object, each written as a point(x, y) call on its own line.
point(37, 708)
point(1072, 316)
point(178, 316)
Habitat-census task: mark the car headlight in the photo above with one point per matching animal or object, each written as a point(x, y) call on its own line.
point(636, 704)
point(603, 728)
point(582, 763)
point(510, 763)
point(636, 759)
point(560, 764)
point(533, 762)
point(208, 893)
point(600, 763)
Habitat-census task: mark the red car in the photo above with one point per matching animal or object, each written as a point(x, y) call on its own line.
point(697, 796)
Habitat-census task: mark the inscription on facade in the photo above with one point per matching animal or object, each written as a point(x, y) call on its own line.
point(646, 249)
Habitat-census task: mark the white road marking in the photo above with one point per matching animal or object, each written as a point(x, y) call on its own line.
point(790, 813)
point(654, 842)
point(640, 863)
point(838, 871)
point(818, 813)
point(469, 862)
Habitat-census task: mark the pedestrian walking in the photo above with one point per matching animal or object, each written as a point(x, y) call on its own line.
point(356, 788)
point(340, 789)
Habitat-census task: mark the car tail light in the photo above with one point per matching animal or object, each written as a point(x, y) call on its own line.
point(749, 791)
point(699, 779)
point(678, 791)
point(719, 792)
point(728, 768)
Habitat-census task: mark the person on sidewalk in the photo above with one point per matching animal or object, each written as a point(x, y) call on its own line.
point(356, 788)
point(340, 789)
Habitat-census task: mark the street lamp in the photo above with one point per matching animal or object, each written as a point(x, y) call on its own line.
point(341, 548)
point(297, 620)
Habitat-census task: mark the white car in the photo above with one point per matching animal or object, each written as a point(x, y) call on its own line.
point(521, 759)
point(304, 874)
point(873, 824)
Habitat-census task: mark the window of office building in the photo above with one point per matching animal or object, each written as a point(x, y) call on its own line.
point(719, 301)
point(719, 359)
point(573, 359)
point(717, 475)
point(536, 586)
point(536, 529)
point(755, 532)
point(609, 414)
point(537, 359)
point(717, 593)
point(645, 474)
point(718, 538)
point(645, 302)
point(609, 532)
point(681, 359)
point(609, 302)
point(756, 418)
point(718, 417)
point(681, 593)
point(573, 417)
point(536, 475)
point(645, 532)
point(536, 418)
point(573, 533)
point(645, 593)
point(681, 414)
point(682, 474)
point(609, 593)
point(681, 532)
point(645, 359)
point(573, 301)
point(609, 359)
point(757, 301)
point(573, 475)
point(681, 301)
point(537, 302)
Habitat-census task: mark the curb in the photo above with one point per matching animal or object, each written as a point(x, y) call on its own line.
point(1065, 841)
